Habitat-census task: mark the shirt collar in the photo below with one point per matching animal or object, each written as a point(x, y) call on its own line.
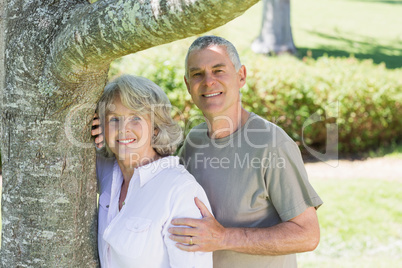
point(149, 171)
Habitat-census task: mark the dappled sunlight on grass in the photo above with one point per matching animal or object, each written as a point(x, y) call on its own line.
point(361, 224)
point(365, 29)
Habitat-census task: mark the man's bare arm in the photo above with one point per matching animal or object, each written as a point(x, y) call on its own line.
point(299, 234)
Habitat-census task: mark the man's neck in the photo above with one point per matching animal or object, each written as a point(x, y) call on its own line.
point(221, 126)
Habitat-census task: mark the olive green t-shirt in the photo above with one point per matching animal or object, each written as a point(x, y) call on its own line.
point(253, 178)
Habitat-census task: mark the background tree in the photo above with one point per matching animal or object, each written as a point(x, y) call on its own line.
point(56, 58)
point(276, 33)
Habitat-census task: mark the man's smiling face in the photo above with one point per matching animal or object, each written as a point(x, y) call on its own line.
point(213, 81)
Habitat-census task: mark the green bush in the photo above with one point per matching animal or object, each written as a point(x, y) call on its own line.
point(362, 98)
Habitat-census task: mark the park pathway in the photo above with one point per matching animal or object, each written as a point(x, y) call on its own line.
point(386, 168)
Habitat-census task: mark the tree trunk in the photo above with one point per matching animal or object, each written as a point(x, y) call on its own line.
point(276, 33)
point(57, 55)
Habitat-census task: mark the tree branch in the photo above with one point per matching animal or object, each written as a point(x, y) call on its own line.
point(99, 33)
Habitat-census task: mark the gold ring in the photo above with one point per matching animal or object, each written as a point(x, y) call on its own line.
point(191, 241)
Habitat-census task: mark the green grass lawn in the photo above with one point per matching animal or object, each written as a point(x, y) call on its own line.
point(361, 224)
point(368, 29)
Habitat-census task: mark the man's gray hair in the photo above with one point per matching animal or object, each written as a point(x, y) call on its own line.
point(212, 40)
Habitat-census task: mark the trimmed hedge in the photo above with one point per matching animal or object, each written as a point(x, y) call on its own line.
point(362, 98)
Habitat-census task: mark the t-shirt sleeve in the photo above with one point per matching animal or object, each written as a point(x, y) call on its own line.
point(183, 206)
point(289, 189)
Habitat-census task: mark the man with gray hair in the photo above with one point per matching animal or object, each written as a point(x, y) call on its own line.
point(251, 170)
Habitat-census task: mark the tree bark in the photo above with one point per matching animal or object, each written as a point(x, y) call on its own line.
point(57, 55)
point(276, 33)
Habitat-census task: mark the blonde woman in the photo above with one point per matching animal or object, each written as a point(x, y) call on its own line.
point(142, 187)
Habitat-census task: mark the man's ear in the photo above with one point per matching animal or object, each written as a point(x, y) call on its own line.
point(242, 75)
point(187, 84)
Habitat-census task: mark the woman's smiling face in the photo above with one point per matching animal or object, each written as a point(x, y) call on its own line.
point(128, 134)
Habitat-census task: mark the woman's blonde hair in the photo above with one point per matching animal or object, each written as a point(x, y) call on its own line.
point(145, 98)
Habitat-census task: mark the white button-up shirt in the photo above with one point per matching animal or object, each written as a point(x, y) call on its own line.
point(137, 235)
